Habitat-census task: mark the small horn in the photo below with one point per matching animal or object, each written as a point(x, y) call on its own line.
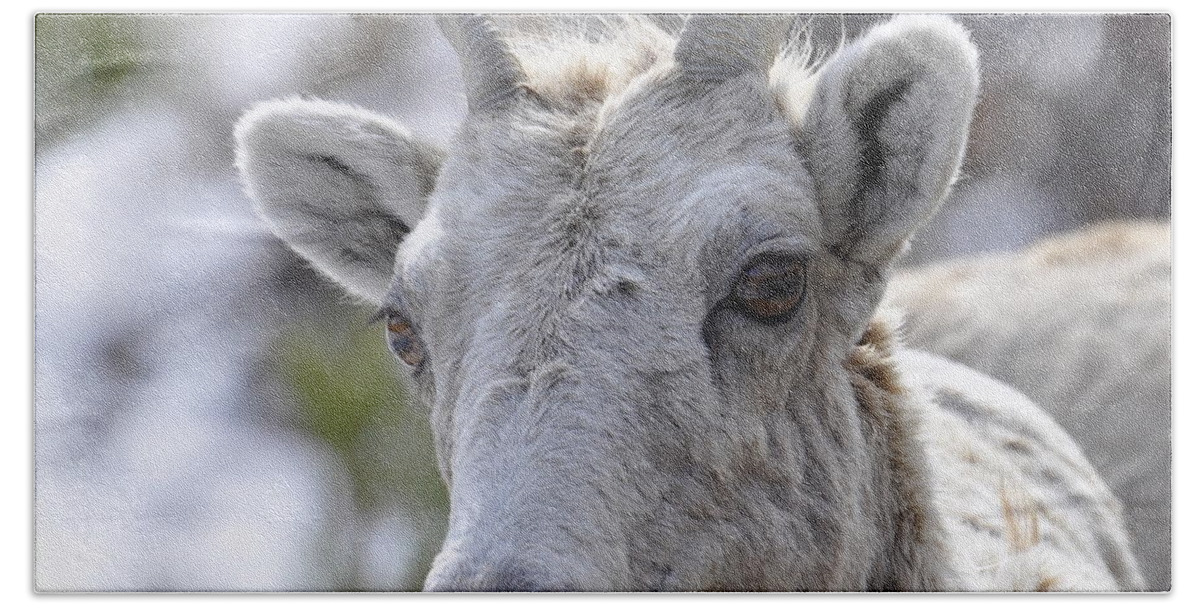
point(715, 48)
point(490, 70)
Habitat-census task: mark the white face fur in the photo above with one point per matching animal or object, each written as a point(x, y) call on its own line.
point(628, 310)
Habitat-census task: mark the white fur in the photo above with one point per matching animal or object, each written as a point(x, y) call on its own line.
point(607, 416)
point(1081, 322)
point(1028, 510)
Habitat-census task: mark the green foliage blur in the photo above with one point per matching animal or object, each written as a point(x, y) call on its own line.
point(341, 386)
point(349, 395)
point(81, 64)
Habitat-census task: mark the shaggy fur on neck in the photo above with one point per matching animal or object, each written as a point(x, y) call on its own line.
point(892, 430)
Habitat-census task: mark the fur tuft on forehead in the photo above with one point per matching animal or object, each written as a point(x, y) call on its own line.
point(579, 64)
point(793, 77)
point(574, 63)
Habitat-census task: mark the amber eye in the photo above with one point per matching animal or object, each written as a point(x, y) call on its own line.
point(771, 287)
point(403, 341)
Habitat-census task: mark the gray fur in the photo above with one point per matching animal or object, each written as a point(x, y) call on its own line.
point(606, 417)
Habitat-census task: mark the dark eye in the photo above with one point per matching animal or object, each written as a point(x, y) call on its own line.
point(403, 341)
point(771, 287)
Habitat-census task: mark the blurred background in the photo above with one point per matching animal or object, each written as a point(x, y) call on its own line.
point(212, 415)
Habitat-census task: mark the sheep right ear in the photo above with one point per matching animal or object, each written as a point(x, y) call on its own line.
point(340, 185)
point(885, 132)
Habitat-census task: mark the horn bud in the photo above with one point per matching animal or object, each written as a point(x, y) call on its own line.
point(490, 70)
point(716, 48)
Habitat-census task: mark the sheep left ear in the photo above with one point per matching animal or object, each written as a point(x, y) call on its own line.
point(885, 132)
point(342, 186)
